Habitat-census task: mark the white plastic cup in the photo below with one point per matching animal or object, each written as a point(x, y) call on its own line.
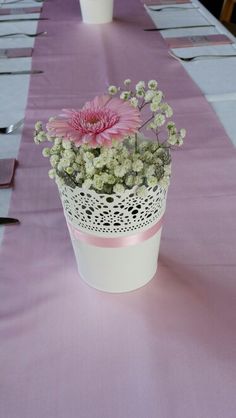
point(96, 11)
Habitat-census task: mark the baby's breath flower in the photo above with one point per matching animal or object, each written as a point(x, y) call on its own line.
point(36, 139)
point(104, 177)
point(56, 149)
point(134, 102)
point(138, 180)
point(54, 160)
point(158, 161)
point(149, 95)
point(123, 154)
point(165, 156)
point(159, 151)
point(158, 97)
point(152, 126)
point(140, 85)
point(164, 182)
point(150, 170)
point(79, 177)
point(60, 181)
point(120, 171)
point(171, 126)
point(79, 159)
point(116, 145)
point(118, 188)
point(132, 140)
point(129, 181)
point(75, 167)
point(182, 133)
point(38, 126)
point(140, 93)
point(152, 84)
point(154, 106)
point(148, 156)
point(142, 191)
point(127, 82)
point(57, 141)
point(143, 146)
point(179, 141)
point(88, 156)
point(69, 154)
point(127, 164)
point(166, 109)
point(41, 136)
point(69, 170)
point(137, 166)
point(50, 137)
point(159, 120)
point(135, 156)
point(111, 165)
point(84, 148)
point(112, 90)
point(66, 144)
point(46, 152)
point(151, 181)
point(125, 95)
point(153, 147)
point(172, 139)
point(63, 163)
point(89, 168)
point(99, 162)
point(52, 173)
point(98, 182)
point(159, 172)
point(87, 184)
point(111, 179)
point(167, 169)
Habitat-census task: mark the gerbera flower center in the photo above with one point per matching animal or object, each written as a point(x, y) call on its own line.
point(94, 120)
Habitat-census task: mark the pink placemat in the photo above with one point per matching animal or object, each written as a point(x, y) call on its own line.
point(168, 349)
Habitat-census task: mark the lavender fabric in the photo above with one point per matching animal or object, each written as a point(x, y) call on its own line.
point(168, 349)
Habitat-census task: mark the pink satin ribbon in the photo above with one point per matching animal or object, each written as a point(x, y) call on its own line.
point(116, 242)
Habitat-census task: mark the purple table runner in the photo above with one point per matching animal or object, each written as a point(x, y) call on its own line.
point(168, 349)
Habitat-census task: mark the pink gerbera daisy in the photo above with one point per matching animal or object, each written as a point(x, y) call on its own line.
point(98, 123)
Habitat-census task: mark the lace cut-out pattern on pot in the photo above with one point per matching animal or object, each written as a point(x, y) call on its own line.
point(93, 212)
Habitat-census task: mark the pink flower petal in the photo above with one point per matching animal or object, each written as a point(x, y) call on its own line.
point(98, 122)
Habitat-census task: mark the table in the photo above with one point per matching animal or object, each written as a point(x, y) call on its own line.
point(167, 350)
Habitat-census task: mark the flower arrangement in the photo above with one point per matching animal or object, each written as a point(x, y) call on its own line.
point(99, 147)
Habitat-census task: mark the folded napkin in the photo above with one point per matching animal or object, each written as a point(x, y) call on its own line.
point(164, 2)
point(16, 52)
point(7, 171)
point(20, 11)
point(200, 40)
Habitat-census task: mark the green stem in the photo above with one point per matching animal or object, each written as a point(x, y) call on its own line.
point(145, 123)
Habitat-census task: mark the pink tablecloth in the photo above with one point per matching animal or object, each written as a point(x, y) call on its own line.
point(168, 349)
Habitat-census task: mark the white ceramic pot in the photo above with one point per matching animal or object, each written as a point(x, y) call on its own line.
point(96, 11)
point(115, 238)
